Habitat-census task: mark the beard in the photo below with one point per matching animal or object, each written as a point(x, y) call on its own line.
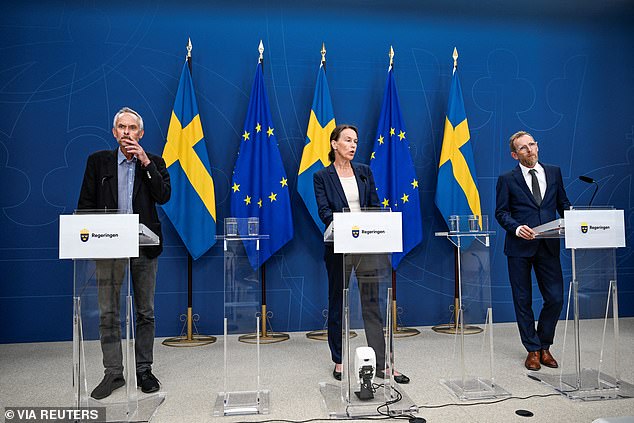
point(529, 161)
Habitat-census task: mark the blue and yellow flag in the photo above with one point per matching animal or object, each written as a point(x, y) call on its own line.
point(315, 155)
point(457, 189)
point(393, 169)
point(259, 187)
point(192, 207)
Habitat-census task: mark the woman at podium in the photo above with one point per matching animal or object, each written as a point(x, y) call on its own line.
point(347, 185)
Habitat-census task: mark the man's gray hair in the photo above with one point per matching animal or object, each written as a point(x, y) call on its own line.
point(127, 110)
point(516, 136)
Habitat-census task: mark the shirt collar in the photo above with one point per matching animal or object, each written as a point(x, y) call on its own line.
point(537, 167)
point(121, 157)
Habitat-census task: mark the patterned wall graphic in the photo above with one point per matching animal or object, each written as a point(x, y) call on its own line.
point(67, 67)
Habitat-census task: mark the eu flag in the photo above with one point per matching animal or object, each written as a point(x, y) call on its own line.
point(393, 169)
point(315, 155)
point(259, 187)
point(456, 189)
point(192, 207)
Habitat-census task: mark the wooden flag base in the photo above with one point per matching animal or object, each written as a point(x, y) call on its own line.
point(401, 331)
point(266, 337)
point(189, 340)
point(269, 338)
point(322, 335)
point(404, 332)
point(452, 328)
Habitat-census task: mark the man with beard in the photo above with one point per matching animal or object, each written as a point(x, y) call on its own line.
point(530, 195)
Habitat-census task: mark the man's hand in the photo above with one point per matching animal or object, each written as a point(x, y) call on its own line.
point(525, 232)
point(133, 147)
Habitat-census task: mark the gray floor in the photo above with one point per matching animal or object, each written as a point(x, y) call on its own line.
point(40, 374)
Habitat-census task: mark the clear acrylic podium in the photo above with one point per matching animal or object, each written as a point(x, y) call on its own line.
point(242, 392)
point(470, 372)
point(93, 281)
point(589, 366)
point(367, 299)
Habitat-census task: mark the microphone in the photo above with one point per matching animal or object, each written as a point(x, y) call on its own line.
point(589, 180)
point(365, 184)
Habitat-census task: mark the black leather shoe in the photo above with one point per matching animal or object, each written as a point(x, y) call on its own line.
point(147, 382)
point(402, 379)
point(109, 383)
point(336, 374)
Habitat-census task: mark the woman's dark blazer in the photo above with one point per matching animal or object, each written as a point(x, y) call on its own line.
point(329, 192)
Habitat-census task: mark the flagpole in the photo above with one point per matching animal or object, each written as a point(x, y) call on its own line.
point(191, 339)
point(321, 334)
point(453, 328)
point(265, 336)
point(398, 331)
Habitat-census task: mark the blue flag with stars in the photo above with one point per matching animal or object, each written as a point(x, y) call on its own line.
point(393, 169)
point(260, 187)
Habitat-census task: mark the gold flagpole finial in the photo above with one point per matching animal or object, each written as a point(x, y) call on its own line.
point(455, 58)
point(323, 52)
point(391, 55)
point(189, 47)
point(261, 50)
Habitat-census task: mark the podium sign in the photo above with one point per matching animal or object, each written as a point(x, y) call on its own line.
point(368, 232)
point(594, 229)
point(95, 236)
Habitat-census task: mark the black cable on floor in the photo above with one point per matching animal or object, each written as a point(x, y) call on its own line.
point(489, 402)
point(386, 416)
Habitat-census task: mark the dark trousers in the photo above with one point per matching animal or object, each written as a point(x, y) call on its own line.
point(366, 268)
point(110, 276)
point(547, 269)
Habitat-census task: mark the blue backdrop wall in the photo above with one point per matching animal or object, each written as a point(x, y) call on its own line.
point(561, 71)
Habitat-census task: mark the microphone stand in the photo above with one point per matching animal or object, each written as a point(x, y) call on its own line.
point(589, 180)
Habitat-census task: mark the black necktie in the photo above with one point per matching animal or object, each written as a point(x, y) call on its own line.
point(537, 194)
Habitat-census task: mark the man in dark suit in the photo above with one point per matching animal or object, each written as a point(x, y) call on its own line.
point(530, 195)
point(130, 180)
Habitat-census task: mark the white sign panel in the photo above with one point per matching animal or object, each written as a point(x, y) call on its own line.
point(368, 232)
point(594, 228)
point(95, 236)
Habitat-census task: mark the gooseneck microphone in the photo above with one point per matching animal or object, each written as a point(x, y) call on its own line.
point(365, 183)
point(589, 180)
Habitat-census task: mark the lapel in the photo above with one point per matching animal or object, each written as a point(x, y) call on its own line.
point(517, 174)
point(113, 181)
point(550, 182)
point(334, 179)
point(137, 178)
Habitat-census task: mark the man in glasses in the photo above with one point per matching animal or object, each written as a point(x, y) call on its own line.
point(528, 196)
point(133, 181)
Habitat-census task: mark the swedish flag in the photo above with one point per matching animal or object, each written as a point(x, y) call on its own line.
point(315, 155)
point(456, 190)
point(192, 207)
point(260, 187)
point(393, 169)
